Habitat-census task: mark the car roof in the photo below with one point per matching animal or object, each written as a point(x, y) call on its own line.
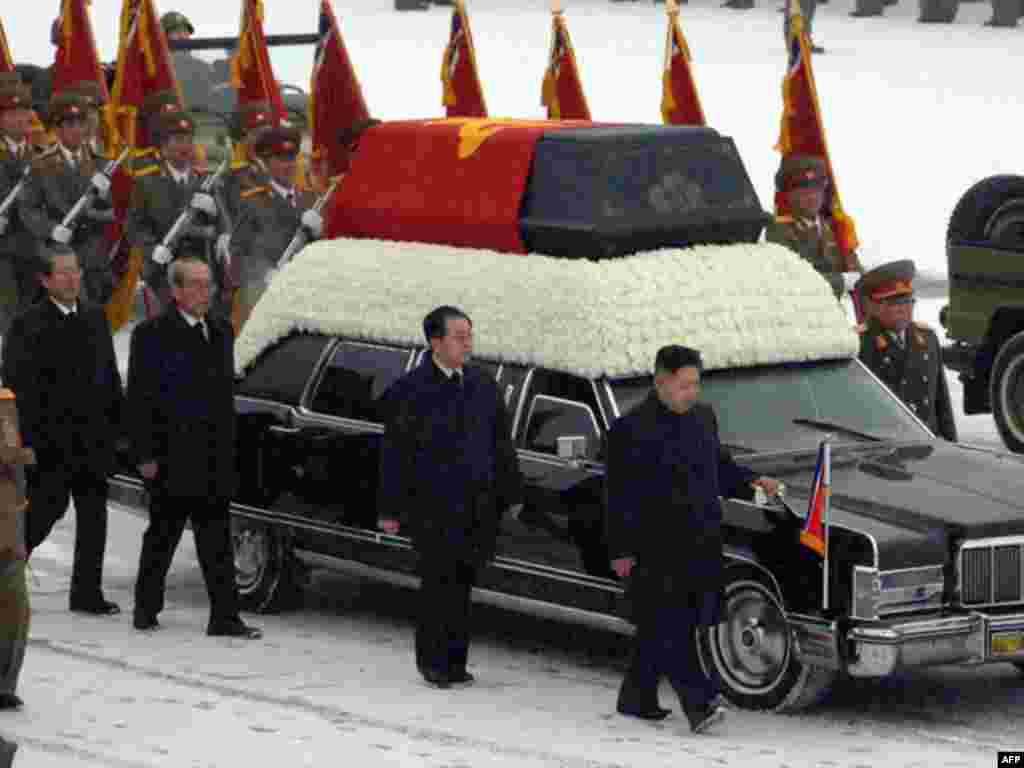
point(741, 305)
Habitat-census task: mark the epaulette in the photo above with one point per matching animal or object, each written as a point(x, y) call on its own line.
point(138, 154)
point(784, 219)
point(253, 191)
point(148, 170)
point(237, 165)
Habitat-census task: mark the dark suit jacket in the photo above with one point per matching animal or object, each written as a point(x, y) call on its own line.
point(65, 376)
point(665, 475)
point(181, 404)
point(448, 464)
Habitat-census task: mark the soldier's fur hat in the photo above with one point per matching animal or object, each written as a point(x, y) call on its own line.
point(276, 140)
point(892, 281)
point(801, 171)
point(67, 104)
point(14, 94)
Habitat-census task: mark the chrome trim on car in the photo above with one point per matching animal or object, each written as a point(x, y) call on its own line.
point(883, 649)
point(611, 399)
point(816, 640)
point(989, 572)
point(523, 391)
point(867, 591)
point(318, 371)
point(913, 592)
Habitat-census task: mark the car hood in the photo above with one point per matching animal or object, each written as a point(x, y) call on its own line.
point(912, 499)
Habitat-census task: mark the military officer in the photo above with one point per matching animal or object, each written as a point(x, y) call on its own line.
point(92, 92)
point(803, 179)
point(17, 246)
point(166, 184)
point(270, 215)
point(60, 176)
point(245, 171)
point(904, 354)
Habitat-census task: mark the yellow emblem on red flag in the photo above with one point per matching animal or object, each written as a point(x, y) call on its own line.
point(680, 102)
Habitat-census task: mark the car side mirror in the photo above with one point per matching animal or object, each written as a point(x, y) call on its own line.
point(572, 447)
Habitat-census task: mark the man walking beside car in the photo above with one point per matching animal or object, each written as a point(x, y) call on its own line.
point(666, 472)
point(448, 471)
point(182, 417)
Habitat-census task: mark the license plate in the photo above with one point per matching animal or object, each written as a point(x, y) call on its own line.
point(1011, 642)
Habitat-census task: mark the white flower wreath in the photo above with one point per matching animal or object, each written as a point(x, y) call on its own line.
point(741, 305)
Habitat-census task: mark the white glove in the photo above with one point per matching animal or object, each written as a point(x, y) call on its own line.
point(223, 248)
point(162, 254)
point(4, 223)
point(313, 221)
point(101, 184)
point(61, 234)
point(205, 203)
point(850, 279)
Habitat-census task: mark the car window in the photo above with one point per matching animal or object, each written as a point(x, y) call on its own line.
point(282, 372)
point(564, 386)
point(551, 417)
point(356, 378)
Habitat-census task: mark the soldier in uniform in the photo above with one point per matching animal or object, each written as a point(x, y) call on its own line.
point(270, 215)
point(245, 171)
point(904, 354)
point(60, 176)
point(803, 179)
point(17, 246)
point(165, 186)
point(92, 92)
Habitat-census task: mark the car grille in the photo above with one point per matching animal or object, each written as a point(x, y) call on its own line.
point(990, 574)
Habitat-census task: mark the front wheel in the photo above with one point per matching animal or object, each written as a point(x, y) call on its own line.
point(264, 572)
point(1007, 392)
point(751, 651)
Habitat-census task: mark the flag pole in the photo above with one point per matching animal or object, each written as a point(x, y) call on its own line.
point(826, 481)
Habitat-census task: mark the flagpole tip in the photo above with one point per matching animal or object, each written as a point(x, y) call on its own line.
point(556, 7)
point(672, 7)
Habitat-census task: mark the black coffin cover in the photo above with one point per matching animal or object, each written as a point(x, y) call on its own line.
point(606, 192)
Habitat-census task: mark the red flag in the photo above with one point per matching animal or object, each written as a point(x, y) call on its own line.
point(802, 131)
point(77, 59)
point(6, 60)
point(335, 98)
point(680, 102)
point(251, 73)
point(814, 534)
point(463, 96)
point(562, 92)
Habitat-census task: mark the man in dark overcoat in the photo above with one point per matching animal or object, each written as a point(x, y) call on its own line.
point(448, 471)
point(904, 354)
point(59, 360)
point(666, 471)
point(182, 421)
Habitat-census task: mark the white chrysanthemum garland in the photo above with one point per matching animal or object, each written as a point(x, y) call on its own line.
point(741, 305)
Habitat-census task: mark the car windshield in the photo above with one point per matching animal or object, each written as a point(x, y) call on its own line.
point(790, 407)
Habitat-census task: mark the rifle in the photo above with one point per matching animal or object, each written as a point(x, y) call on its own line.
point(188, 214)
point(87, 197)
point(12, 196)
point(301, 236)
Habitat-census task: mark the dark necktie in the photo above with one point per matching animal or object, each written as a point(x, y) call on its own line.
point(200, 329)
point(457, 380)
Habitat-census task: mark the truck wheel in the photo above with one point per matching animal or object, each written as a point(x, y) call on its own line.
point(263, 571)
point(974, 217)
point(1007, 392)
point(751, 651)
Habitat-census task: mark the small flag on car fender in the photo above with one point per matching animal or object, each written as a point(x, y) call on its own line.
point(814, 534)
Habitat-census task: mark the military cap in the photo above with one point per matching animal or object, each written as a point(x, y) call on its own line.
point(91, 90)
point(801, 171)
point(158, 101)
point(14, 94)
point(173, 21)
point(251, 116)
point(172, 121)
point(892, 281)
point(67, 104)
point(276, 140)
point(672, 357)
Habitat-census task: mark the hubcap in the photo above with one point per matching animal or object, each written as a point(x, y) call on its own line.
point(751, 646)
point(251, 555)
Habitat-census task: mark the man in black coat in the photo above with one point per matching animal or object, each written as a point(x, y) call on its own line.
point(448, 471)
point(666, 473)
point(59, 360)
point(182, 417)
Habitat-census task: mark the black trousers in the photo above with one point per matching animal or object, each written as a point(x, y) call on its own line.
point(49, 489)
point(666, 644)
point(442, 631)
point(211, 527)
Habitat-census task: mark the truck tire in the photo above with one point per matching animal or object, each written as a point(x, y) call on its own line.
point(938, 11)
point(1006, 392)
point(265, 574)
point(972, 218)
point(752, 654)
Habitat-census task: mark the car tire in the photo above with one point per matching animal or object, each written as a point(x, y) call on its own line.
point(1006, 392)
point(264, 571)
point(752, 654)
point(980, 208)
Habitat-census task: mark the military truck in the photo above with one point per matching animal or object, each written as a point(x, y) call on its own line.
point(985, 315)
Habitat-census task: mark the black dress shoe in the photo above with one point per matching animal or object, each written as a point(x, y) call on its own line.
point(97, 608)
point(461, 677)
point(145, 623)
point(233, 628)
point(435, 678)
point(10, 701)
point(657, 713)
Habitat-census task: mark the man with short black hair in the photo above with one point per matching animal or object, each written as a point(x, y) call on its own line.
point(182, 417)
point(448, 470)
point(59, 360)
point(666, 471)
